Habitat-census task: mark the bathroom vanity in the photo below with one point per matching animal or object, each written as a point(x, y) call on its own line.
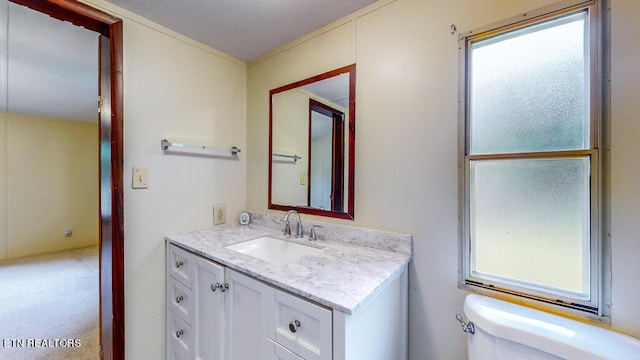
point(228, 297)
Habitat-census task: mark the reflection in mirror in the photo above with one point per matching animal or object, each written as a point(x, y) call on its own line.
point(312, 138)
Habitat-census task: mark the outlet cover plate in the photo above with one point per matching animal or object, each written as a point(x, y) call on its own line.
point(219, 214)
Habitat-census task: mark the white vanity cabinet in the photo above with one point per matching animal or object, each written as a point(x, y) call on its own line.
point(213, 312)
point(216, 313)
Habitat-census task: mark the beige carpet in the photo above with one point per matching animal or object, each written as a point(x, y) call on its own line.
point(49, 306)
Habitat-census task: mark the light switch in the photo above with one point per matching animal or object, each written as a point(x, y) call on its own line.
point(303, 178)
point(140, 178)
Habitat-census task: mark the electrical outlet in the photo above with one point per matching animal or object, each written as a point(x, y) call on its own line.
point(219, 214)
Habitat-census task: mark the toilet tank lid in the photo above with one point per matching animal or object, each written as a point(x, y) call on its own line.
point(551, 333)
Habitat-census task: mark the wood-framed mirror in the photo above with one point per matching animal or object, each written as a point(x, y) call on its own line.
point(312, 144)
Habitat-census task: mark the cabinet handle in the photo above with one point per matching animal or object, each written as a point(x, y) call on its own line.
point(222, 287)
point(294, 325)
point(179, 264)
point(179, 299)
point(179, 333)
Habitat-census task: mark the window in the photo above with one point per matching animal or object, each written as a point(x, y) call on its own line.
point(531, 169)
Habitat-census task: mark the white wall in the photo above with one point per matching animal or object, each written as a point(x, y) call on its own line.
point(625, 172)
point(177, 89)
point(290, 136)
point(406, 142)
point(3, 183)
point(51, 178)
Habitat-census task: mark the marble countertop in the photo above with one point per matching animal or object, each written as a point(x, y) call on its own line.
point(344, 276)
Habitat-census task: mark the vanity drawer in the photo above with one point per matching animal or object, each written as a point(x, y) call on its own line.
point(275, 351)
point(180, 334)
point(301, 326)
point(176, 352)
point(180, 300)
point(180, 265)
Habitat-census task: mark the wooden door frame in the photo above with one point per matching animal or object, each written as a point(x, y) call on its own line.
point(111, 220)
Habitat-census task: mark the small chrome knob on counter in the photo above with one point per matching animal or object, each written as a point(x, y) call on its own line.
point(224, 287)
point(179, 333)
point(215, 286)
point(294, 325)
point(179, 264)
point(179, 299)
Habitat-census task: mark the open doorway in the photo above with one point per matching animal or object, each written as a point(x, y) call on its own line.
point(326, 153)
point(111, 228)
point(49, 249)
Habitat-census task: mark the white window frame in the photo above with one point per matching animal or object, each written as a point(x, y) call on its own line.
point(597, 307)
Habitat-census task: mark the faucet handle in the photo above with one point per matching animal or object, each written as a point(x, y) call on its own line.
point(287, 228)
point(312, 232)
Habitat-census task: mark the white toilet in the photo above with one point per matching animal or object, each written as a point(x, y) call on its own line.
point(502, 330)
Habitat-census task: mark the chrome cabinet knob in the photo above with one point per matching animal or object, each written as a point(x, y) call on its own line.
point(179, 264)
point(222, 287)
point(179, 333)
point(294, 325)
point(179, 299)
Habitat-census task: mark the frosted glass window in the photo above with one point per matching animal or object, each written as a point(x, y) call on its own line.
point(530, 221)
point(529, 89)
point(531, 204)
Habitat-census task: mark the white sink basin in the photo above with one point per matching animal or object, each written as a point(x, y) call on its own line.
point(274, 250)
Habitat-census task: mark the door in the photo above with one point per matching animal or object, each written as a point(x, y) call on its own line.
point(104, 116)
point(209, 287)
point(247, 309)
point(326, 154)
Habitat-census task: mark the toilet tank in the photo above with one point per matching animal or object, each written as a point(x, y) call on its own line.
point(508, 331)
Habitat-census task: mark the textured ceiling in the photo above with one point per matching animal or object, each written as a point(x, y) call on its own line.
point(245, 29)
point(52, 65)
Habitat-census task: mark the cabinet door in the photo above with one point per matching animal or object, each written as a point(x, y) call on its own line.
point(209, 309)
point(246, 309)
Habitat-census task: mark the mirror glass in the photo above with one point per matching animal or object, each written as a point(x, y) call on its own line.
point(311, 142)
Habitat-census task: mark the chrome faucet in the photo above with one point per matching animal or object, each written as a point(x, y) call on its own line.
point(287, 229)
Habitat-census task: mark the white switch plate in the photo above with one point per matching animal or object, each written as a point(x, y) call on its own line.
point(140, 178)
point(303, 178)
point(219, 214)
